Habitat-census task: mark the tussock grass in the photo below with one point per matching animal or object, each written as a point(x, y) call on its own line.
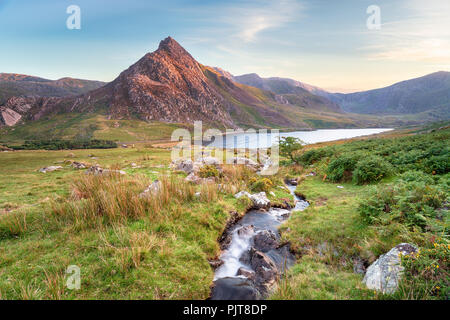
point(112, 198)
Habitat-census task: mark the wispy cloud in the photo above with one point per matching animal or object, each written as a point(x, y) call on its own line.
point(423, 36)
point(251, 18)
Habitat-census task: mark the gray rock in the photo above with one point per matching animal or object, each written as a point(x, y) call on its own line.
point(265, 240)
point(241, 194)
point(259, 200)
point(384, 274)
point(192, 177)
point(185, 165)
point(265, 269)
point(292, 182)
point(245, 231)
point(215, 263)
point(234, 288)
point(210, 161)
point(78, 165)
point(97, 170)
point(245, 161)
point(49, 169)
point(151, 189)
point(249, 274)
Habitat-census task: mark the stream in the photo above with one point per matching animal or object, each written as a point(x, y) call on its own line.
point(252, 256)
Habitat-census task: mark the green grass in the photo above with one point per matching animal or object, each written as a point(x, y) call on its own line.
point(331, 233)
point(127, 247)
point(89, 126)
point(130, 248)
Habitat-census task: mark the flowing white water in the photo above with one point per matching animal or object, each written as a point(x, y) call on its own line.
point(240, 243)
point(243, 233)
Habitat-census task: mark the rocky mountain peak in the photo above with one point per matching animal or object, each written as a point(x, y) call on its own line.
point(173, 48)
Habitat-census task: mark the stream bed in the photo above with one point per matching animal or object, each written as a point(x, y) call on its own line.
point(252, 257)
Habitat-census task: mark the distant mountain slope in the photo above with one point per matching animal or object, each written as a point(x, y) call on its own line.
point(169, 85)
point(291, 91)
point(12, 84)
point(429, 93)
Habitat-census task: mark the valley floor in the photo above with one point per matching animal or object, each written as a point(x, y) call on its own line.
point(130, 248)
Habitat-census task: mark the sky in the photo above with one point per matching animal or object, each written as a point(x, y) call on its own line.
point(319, 42)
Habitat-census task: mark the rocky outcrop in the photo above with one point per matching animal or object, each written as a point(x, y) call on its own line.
point(167, 85)
point(259, 200)
point(78, 165)
point(9, 117)
point(245, 161)
point(265, 268)
point(265, 240)
point(384, 274)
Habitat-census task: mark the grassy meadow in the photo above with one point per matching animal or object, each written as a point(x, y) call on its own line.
point(158, 247)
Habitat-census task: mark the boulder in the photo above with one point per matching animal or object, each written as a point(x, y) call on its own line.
point(291, 181)
point(97, 170)
point(265, 240)
point(210, 161)
point(185, 165)
point(249, 274)
point(245, 231)
point(234, 288)
point(78, 165)
point(259, 200)
point(241, 194)
point(190, 166)
point(215, 263)
point(384, 274)
point(151, 189)
point(49, 169)
point(265, 269)
point(245, 161)
point(192, 177)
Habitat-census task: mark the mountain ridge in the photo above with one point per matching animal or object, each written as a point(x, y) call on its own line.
point(169, 85)
point(411, 96)
point(14, 84)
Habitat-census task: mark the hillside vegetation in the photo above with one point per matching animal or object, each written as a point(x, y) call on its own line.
point(366, 197)
point(136, 247)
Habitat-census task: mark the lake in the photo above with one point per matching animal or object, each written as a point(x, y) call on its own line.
point(260, 140)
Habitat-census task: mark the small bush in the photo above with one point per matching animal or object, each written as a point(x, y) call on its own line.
point(208, 171)
point(426, 273)
point(340, 169)
point(260, 185)
point(371, 169)
point(311, 156)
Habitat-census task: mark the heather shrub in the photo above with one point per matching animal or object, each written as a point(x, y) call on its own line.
point(208, 171)
point(426, 273)
point(259, 185)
